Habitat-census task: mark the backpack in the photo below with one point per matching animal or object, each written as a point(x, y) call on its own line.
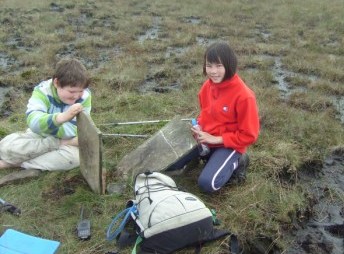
point(165, 218)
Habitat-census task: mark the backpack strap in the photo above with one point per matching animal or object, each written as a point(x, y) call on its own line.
point(126, 238)
point(125, 214)
point(218, 233)
point(233, 242)
point(138, 241)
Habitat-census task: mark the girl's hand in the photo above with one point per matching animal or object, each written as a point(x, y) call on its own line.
point(205, 137)
point(195, 133)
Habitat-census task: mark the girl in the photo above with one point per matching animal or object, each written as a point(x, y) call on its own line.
point(228, 118)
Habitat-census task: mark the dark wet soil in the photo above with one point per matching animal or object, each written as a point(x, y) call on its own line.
point(320, 229)
point(63, 188)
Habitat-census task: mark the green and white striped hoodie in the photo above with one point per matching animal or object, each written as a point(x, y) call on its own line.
point(43, 107)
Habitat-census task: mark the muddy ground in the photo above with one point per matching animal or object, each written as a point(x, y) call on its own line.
point(320, 229)
point(317, 229)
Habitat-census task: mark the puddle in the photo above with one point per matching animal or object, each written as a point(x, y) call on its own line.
point(6, 61)
point(193, 20)
point(106, 21)
point(3, 93)
point(153, 32)
point(338, 103)
point(109, 53)
point(157, 84)
point(262, 32)
point(147, 85)
point(66, 51)
point(175, 51)
point(281, 77)
point(16, 42)
point(153, 85)
point(103, 55)
point(56, 8)
point(82, 21)
point(204, 41)
point(266, 35)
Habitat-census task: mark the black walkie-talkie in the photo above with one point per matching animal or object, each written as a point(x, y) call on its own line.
point(84, 227)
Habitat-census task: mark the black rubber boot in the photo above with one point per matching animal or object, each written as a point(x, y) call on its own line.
point(239, 175)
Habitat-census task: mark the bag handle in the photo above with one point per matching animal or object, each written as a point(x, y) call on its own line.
point(125, 214)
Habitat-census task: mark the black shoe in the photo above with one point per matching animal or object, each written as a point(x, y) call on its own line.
point(239, 175)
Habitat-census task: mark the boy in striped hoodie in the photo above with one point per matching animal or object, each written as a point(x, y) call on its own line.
point(51, 143)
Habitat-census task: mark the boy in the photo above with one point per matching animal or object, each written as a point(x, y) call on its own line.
point(51, 143)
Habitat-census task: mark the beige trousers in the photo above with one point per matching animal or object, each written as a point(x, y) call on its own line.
point(30, 150)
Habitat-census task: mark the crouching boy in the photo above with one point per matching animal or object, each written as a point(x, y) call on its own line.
point(50, 142)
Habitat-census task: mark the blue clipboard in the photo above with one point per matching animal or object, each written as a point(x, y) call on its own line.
point(15, 242)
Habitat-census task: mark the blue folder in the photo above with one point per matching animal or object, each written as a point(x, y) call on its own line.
point(15, 242)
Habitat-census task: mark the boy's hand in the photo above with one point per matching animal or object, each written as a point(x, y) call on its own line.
point(69, 142)
point(69, 114)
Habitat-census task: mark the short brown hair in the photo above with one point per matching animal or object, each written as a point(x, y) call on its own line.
point(220, 52)
point(71, 72)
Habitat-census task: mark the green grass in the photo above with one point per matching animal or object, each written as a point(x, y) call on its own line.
point(305, 35)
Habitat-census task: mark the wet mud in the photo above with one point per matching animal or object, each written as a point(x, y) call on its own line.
point(63, 188)
point(321, 228)
point(4, 101)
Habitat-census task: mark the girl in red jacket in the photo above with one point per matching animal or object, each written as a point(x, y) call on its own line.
point(228, 118)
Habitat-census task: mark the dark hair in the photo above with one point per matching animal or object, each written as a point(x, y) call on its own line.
point(71, 72)
point(220, 52)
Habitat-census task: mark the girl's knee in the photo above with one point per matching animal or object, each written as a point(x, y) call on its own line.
point(205, 184)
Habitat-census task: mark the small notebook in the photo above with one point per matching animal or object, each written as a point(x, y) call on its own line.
point(15, 242)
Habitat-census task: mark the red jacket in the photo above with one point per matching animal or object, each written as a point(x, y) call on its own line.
point(229, 109)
